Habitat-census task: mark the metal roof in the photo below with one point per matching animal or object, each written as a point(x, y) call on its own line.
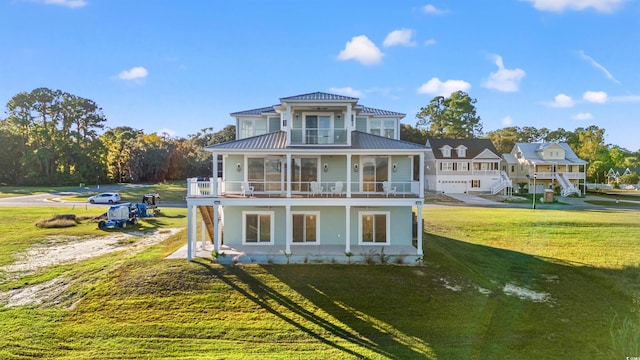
point(278, 140)
point(378, 112)
point(531, 152)
point(474, 147)
point(319, 96)
point(260, 111)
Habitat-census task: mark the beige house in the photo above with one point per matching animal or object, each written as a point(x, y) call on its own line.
point(539, 166)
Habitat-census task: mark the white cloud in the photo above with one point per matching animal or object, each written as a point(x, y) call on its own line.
point(430, 9)
point(440, 88)
point(562, 101)
point(430, 42)
point(582, 116)
point(595, 64)
point(361, 49)
point(598, 97)
point(399, 37)
point(506, 80)
point(347, 91)
point(606, 6)
point(135, 73)
point(507, 121)
point(68, 3)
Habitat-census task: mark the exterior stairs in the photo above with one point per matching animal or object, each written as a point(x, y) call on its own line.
point(502, 184)
point(207, 217)
point(566, 187)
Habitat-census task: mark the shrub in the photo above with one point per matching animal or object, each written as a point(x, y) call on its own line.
point(58, 221)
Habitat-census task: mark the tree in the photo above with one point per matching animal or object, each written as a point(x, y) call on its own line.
point(412, 134)
point(453, 117)
point(504, 139)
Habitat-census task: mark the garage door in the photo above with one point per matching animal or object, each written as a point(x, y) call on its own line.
point(453, 187)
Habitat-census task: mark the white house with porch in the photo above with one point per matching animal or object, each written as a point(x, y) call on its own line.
point(316, 177)
point(540, 166)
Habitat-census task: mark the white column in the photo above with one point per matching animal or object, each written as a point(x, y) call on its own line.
point(190, 233)
point(421, 175)
point(347, 233)
point(288, 166)
point(348, 175)
point(194, 216)
point(203, 232)
point(348, 123)
point(289, 116)
point(216, 226)
point(214, 177)
point(288, 230)
point(419, 230)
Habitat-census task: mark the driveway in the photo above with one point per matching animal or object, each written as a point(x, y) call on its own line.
point(469, 199)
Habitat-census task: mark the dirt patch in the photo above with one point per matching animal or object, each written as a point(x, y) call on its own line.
point(525, 294)
point(65, 251)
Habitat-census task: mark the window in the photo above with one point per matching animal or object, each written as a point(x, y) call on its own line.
point(265, 174)
point(374, 227)
point(475, 183)
point(257, 227)
point(254, 127)
point(462, 151)
point(463, 166)
point(306, 227)
point(375, 171)
point(384, 128)
point(446, 166)
point(446, 151)
point(303, 172)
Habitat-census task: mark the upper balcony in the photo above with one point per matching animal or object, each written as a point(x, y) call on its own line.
point(318, 136)
point(198, 188)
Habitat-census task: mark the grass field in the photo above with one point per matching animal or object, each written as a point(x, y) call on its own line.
point(460, 304)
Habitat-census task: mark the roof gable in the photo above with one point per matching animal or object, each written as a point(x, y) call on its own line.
point(473, 147)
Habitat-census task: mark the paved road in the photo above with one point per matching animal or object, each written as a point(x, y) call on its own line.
point(58, 199)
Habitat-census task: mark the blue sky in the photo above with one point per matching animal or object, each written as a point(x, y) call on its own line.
point(180, 66)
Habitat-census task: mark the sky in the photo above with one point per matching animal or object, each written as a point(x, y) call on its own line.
point(180, 66)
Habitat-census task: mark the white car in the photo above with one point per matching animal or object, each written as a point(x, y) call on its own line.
point(105, 198)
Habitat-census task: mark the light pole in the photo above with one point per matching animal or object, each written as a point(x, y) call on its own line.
point(534, 190)
point(97, 179)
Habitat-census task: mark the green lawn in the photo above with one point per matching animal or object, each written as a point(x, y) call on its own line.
point(453, 307)
point(10, 191)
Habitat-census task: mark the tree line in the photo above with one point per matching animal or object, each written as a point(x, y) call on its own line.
point(51, 137)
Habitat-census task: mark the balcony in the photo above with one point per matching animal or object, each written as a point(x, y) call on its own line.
point(271, 189)
point(319, 136)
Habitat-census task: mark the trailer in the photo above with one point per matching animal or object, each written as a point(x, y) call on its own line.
point(125, 214)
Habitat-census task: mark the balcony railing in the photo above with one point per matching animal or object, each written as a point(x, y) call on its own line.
point(198, 188)
point(320, 136)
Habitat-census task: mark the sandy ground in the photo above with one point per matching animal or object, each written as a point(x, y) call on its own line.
point(65, 250)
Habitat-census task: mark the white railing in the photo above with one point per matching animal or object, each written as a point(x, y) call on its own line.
point(318, 136)
point(504, 183)
point(204, 188)
point(566, 187)
point(485, 172)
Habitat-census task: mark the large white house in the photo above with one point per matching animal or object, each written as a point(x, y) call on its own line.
point(315, 177)
point(464, 166)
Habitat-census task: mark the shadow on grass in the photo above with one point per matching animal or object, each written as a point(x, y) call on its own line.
point(266, 297)
point(438, 310)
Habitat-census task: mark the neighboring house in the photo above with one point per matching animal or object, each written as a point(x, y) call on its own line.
point(314, 177)
point(614, 174)
point(548, 166)
point(464, 166)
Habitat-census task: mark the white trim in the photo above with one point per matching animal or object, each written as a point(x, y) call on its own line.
point(244, 227)
point(302, 212)
point(361, 170)
point(361, 214)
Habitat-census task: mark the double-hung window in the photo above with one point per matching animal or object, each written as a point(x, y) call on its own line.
point(374, 227)
point(463, 166)
point(306, 227)
point(447, 166)
point(257, 227)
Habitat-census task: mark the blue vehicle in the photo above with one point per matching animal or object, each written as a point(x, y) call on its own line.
point(124, 214)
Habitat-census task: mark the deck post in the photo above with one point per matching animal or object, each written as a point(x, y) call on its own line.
point(419, 230)
point(421, 176)
point(347, 234)
point(189, 233)
point(213, 182)
point(348, 175)
point(288, 174)
point(216, 227)
point(288, 229)
point(194, 216)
